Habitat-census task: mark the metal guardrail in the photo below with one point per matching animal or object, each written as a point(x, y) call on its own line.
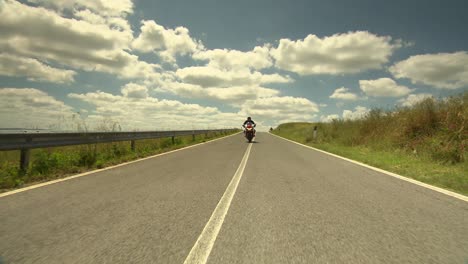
point(26, 142)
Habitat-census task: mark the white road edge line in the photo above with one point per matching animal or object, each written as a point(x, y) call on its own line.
point(434, 188)
point(104, 169)
point(201, 250)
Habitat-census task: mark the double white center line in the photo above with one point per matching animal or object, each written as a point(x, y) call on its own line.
point(202, 248)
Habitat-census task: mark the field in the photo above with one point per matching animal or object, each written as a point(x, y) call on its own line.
point(51, 163)
point(426, 142)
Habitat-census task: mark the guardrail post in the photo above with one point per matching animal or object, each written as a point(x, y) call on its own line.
point(193, 135)
point(24, 160)
point(25, 154)
point(173, 140)
point(132, 144)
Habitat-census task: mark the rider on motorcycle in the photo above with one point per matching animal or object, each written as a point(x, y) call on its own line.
point(249, 120)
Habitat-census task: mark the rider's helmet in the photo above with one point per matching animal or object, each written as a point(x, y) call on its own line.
point(248, 118)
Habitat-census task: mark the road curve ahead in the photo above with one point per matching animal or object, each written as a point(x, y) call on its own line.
point(285, 204)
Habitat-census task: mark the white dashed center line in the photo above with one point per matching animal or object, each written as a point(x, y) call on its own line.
point(202, 248)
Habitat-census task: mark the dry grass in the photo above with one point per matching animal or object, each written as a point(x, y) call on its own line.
point(427, 142)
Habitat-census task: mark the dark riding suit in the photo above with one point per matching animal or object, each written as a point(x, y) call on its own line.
point(247, 121)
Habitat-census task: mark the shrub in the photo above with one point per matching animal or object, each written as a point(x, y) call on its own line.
point(165, 143)
point(44, 162)
point(9, 176)
point(420, 120)
point(87, 156)
point(434, 128)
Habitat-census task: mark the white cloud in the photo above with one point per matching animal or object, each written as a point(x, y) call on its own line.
point(150, 113)
point(135, 68)
point(133, 90)
point(108, 104)
point(351, 52)
point(207, 76)
point(213, 77)
point(329, 118)
point(42, 34)
point(343, 94)
point(229, 86)
point(33, 70)
point(23, 23)
point(166, 42)
point(442, 70)
point(258, 58)
point(383, 87)
point(234, 95)
point(116, 23)
point(104, 7)
point(31, 108)
point(413, 99)
point(275, 78)
point(275, 110)
point(358, 113)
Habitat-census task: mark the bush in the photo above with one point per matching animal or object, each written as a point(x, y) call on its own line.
point(434, 128)
point(87, 156)
point(44, 162)
point(165, 143)
point(420, 120)
point(9, 176)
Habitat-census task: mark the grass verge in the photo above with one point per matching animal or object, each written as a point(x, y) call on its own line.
point(52, 163)
point(426, 141)
point(448, 176)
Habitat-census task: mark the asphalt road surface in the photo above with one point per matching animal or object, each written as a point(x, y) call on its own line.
point(267, 202)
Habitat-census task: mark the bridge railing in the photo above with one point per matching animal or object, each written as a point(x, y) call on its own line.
point(26, 142)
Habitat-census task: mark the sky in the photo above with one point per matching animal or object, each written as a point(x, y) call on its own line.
point(174, 64)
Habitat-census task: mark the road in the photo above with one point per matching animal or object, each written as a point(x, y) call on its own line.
point(291, 205)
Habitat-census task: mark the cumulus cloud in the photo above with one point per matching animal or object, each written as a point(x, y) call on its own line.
point(23, 23)
point(133, 90)
point(213, 77)
point(166, 42)
point(110, 13)
point(442, 70)
point(234, 95)
point(116, 23)
point(351, 52)
point(274, 78)
point(31, 108)
point(258, 58)
point(383, 87)
point(229, 86)
point(329, 118)
point(413, 99)
point(42, 34)
point(33, 70)
point(107, 103)
point(275, 110)
point(153, 114)
point(343, 94)
point(358, 113)
point(104, 7)
point(207, 76)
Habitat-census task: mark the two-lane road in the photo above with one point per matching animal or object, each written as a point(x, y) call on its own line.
point(291, 205)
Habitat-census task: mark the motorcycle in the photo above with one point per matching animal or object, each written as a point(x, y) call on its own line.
point(249, 131)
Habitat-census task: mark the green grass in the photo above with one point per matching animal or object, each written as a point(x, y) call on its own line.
point(426, 142)
point(52, 163)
